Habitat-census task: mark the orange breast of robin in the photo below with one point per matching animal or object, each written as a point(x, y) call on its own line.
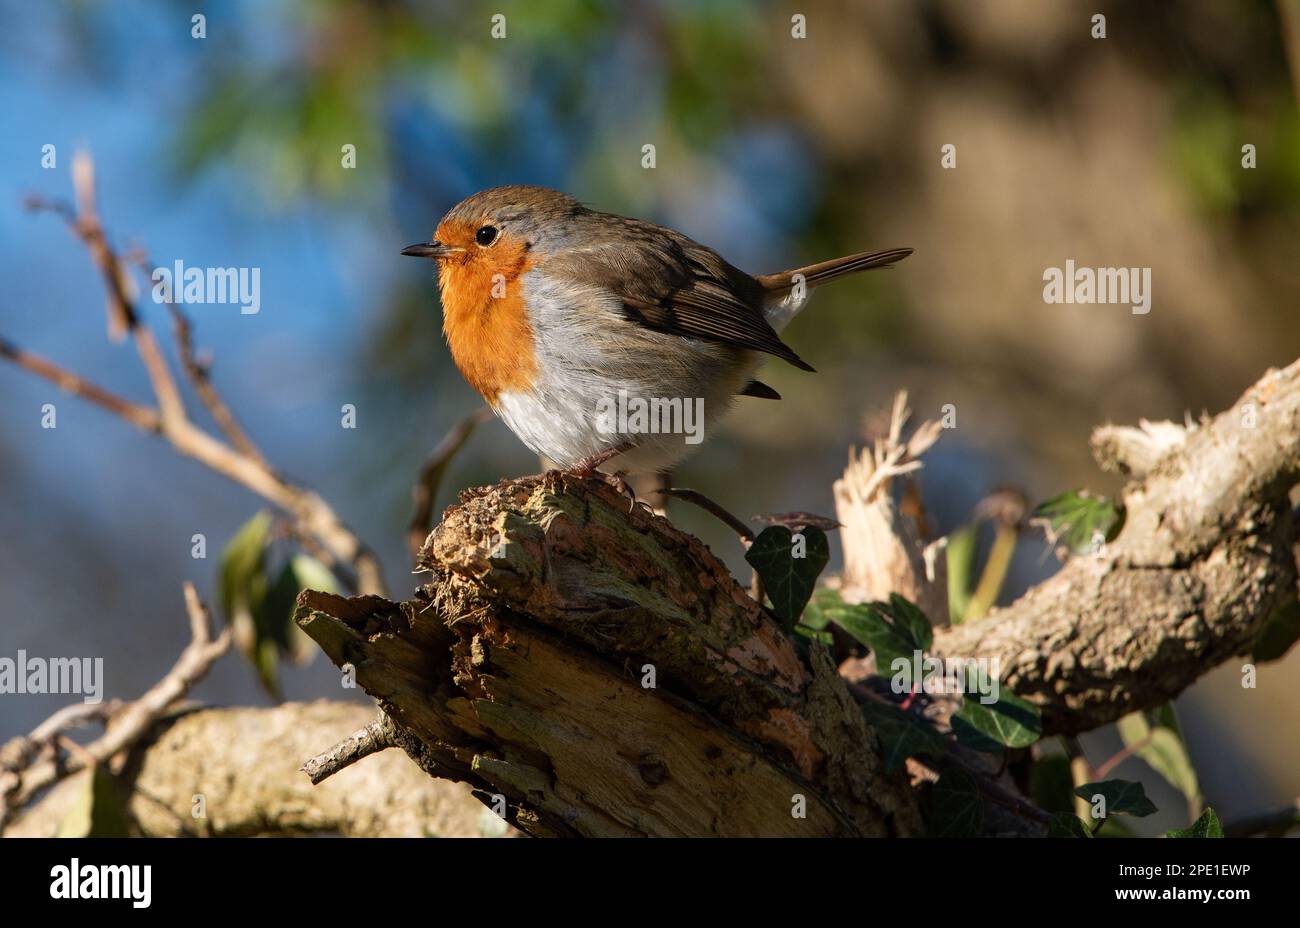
point(484, 315)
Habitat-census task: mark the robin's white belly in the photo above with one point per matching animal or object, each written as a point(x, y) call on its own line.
point(604, 382)
point(570, 418)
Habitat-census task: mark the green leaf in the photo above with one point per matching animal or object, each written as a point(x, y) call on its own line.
point(961, 570)
point(1051, 783)
point(1123, 797)
point(1067, 825)
point(789, 565)
point(1207, 826)
point(907, 615)
point(825, 603)
point(243, 568)
point(259, 609)
point(894, 630)
point(1011, 722)
point(1114, 828)
point(302, 572)
point(956, 808)
point(99, 812)
point(243, 586)
point(814, 635)
point(278, 636)
point(1280, 632)
point(902, 735)
point(1163, 750)
point(1075, 519)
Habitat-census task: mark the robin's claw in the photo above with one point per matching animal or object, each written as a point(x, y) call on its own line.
point(618, 483)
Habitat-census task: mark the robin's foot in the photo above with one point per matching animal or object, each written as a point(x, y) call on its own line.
point(586, 467)
point(618, 483)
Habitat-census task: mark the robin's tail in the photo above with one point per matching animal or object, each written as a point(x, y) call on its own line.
point(782, 301)
point(816, 274)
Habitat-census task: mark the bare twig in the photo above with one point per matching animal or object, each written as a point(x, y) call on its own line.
point(239, 461)
point(699, 499)
point(140, 416)
point(377, 736)
point(131, 722)
point(424, 493)
point(200, 378)
point(733, 522)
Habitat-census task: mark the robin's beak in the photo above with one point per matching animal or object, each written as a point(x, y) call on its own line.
point(429, 250)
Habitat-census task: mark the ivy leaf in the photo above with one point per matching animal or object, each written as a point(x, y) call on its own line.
point(1075, 518)
point(1163, 749)
point(813, 634)
point(100, 810)
point(893, 630)
point(1067, 825)
point(1123, 797)
point(789, 565)
point(821, 609)
point(1051, 783)
point(956, 808)
point(902, 735)
point(907, 615)
point(1207, 826)
point(1011, 722)
point(1280, 632)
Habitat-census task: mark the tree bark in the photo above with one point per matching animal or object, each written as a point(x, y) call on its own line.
point(1206, 554)
point(243, 763)
point(604, 674)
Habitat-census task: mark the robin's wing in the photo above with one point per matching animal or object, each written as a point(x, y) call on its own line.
point(668, 283)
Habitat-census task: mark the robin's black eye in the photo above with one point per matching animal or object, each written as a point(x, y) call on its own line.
point(486, 235)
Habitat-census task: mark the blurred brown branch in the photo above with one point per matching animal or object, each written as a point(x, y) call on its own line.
point(239, 460)
point(244, 764)
point(25, 768)
point(424, 493)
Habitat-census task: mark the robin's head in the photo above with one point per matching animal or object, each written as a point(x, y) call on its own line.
point(494, 230)
point(483, 247)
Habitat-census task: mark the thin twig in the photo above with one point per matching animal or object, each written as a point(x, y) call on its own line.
point(733, 522)
point(135, 719)
point(142, 417)
point(311, 513)
point(699, 499)
point(425, 492)
point(1120, 756)
point(200, 377)
point(377, 736)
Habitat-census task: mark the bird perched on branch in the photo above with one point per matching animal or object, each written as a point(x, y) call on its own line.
point(585, 331)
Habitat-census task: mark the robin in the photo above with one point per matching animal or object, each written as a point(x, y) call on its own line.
point(578, 326)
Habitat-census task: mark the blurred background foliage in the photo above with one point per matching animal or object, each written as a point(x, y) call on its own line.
point(226, 150)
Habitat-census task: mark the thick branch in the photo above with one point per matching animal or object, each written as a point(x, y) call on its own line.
point(603, 673)
point(1205, 556)
point(242, 765)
